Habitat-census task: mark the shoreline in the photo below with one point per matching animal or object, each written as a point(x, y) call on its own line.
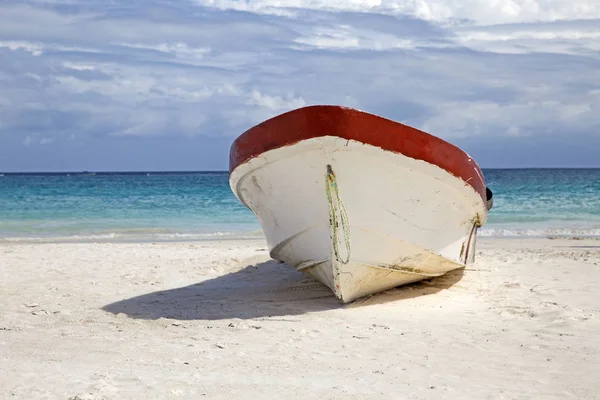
point(233, 237)
point(18, 241)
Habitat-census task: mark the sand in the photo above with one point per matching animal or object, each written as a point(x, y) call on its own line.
point(220, 320)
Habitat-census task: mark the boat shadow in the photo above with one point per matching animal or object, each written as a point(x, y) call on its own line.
point(266, 289)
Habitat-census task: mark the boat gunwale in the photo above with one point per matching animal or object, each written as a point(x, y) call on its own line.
point(347, 123)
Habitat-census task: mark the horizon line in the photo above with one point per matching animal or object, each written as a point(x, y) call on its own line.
point(225, 171)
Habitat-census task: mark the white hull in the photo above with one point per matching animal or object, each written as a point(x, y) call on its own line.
point(405, 219)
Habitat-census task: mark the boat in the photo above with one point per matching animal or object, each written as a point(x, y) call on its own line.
point(360, 202)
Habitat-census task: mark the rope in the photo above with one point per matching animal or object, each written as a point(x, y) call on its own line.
point(473, 229)
point(333, 194)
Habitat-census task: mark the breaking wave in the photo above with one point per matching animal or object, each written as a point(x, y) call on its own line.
point(540, 233)
point(136, 236)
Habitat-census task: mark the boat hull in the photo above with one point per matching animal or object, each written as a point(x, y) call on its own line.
point(358, 217)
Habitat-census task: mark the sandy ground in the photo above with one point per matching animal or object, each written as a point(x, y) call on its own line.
point(219, 320)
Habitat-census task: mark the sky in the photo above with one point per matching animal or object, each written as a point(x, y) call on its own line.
point(108, 85)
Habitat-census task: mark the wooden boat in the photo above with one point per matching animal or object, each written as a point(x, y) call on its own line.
point(359, 202)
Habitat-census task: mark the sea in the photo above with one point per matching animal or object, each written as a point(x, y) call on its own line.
point(175, 206)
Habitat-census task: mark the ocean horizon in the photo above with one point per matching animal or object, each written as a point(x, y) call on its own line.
point(199, 205)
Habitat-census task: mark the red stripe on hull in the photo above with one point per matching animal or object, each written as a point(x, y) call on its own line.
point(347, 123)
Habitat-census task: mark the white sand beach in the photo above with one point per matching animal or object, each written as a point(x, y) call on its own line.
point(219, 320)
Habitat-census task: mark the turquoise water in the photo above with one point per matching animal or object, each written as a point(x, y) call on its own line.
point(544, 202)
point(122, 206)
point(183, 206)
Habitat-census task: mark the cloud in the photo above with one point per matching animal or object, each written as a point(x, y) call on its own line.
point(571, 37)
point(178, 50)
point(478, 11)
point(275, 103)
point(474, 70)
point(348, 37)
point(33, 48)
